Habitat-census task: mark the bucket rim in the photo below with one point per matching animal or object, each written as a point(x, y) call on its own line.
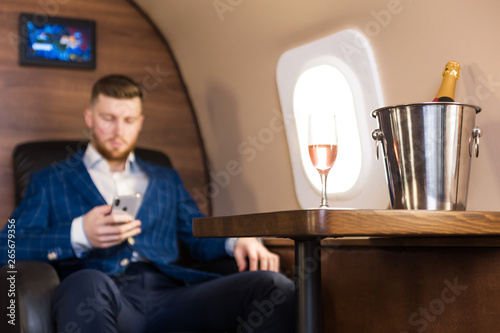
point(376, 111)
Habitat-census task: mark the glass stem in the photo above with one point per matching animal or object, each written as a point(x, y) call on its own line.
point(324, 200)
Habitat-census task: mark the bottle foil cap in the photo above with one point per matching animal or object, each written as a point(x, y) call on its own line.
point(452, 68)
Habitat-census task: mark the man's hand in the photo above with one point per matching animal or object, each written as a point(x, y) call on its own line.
point(104, 230)
point(257, 255)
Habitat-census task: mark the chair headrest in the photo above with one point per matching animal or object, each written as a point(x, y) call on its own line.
point(32, 156)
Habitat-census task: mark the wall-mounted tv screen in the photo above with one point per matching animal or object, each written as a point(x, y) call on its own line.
point(56, 41)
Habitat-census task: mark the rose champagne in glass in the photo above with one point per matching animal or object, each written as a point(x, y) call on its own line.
point(322, 142)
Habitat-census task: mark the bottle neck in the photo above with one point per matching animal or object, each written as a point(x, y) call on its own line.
point(446, 92)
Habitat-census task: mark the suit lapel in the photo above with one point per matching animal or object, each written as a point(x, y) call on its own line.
point(79, 178)
point(152, 189)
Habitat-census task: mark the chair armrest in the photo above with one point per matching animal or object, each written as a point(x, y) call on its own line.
point(32, 287)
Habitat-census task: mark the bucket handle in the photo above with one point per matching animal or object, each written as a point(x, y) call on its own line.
point(474, 142)
point(378, 136)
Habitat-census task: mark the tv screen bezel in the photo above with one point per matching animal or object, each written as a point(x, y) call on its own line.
point(23, 40)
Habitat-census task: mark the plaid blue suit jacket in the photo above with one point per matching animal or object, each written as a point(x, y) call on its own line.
point(60, 193)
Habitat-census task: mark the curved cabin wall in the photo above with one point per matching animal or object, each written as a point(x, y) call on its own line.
point(38, 103)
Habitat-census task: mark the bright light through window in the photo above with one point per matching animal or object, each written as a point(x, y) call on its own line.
point(324, 89)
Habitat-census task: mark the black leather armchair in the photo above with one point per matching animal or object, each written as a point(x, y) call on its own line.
point(33, 287)
point(35, 282)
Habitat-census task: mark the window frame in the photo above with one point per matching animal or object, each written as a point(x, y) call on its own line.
point(351, 54)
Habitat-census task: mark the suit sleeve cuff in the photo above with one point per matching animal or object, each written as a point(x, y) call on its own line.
point(79, 241)
point(230, 242)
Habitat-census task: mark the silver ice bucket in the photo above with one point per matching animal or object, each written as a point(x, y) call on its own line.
point(427, 149)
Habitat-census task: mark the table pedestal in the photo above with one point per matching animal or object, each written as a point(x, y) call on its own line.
point(308, 286)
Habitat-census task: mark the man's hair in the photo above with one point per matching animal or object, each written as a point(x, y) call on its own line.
point(116, 86)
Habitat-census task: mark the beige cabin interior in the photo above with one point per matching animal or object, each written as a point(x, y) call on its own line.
point(209, 72)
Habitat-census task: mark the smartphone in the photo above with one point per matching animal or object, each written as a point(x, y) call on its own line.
point(127, 204)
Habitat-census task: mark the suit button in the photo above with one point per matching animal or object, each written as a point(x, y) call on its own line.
point(52, 256)
point(131, 241)
point(124, 262)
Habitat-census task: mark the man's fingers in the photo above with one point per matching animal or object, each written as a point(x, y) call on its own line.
point(241, 262)
point(106, 241)
point(264, 264)
point(253, 261)
point(133, 231)
point(265, 261)
point(118, 229)
point(101, 210)
point(274, 263)
point(113, 234)
point(118, 218)
point(258, 256)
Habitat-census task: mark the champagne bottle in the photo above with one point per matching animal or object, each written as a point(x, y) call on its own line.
point(446, 92)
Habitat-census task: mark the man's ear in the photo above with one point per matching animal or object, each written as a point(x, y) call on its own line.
point(87, 114)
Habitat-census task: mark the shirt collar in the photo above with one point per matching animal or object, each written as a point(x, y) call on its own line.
point(94, 160)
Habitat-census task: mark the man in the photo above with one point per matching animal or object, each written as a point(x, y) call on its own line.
point(118, 273)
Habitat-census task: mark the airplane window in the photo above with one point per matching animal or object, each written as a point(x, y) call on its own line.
point(334, 74)
point(324, 89)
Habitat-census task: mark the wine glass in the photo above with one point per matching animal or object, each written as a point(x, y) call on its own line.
point(322, 142)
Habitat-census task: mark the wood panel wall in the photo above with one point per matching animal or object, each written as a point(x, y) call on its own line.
point(38, 103)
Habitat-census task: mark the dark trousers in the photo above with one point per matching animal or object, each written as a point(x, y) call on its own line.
point(143, 299)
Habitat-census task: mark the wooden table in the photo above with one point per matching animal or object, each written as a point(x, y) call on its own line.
point(308, 227)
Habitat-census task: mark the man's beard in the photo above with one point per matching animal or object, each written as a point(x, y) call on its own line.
point(111, 155)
